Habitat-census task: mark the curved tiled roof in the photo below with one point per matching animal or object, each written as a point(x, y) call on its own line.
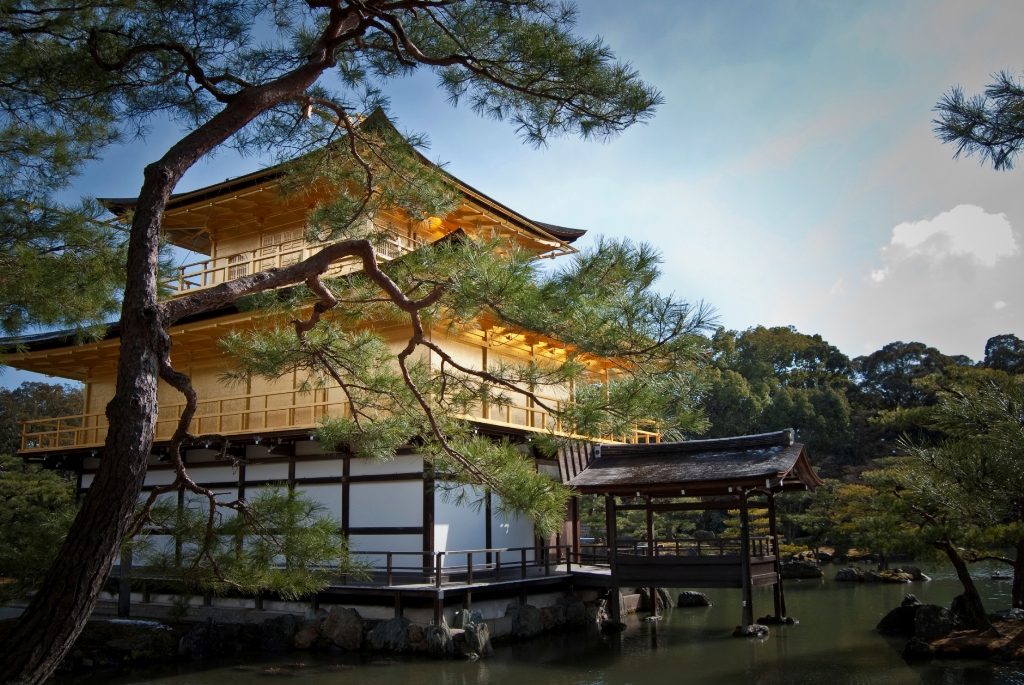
point(707, 467)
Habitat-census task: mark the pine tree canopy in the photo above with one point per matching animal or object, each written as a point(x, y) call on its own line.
point(301, 82)
point(990, 125)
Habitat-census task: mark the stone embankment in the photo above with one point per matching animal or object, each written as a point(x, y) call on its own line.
point(118, 644)
point(341, 629)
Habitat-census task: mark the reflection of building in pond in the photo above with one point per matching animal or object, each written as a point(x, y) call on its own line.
point(740, 473)
point(394, 513)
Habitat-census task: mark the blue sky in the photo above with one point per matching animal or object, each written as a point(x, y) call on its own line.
point(791, 177)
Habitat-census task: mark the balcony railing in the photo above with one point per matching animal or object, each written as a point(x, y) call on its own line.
point(211, 272)
point(278, 411)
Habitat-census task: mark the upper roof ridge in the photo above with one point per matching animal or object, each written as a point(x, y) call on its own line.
point(782, 438)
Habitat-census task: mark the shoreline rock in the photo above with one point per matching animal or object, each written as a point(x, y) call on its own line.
point(792, 570)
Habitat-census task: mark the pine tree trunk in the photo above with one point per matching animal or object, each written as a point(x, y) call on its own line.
point(974, 610)
point(58, 612)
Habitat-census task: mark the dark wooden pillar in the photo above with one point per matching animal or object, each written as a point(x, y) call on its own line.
point(780, 597)
point(346, 489)
point(612, 532)
point(488, 535)
point(124, 585)
point(574, 515)
point(748, 589)
point(428, 519)
point(652, 551)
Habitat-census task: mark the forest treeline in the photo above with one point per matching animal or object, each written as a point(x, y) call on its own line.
point(849, 412)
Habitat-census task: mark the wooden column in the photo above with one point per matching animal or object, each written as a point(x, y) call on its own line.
point(612, 533)
point(652, 551)
point(124, 585)
point(773, 531)
point(488, 535)
point(748, 590)
point(428, 518)
point(346, 489)
point(574, 509)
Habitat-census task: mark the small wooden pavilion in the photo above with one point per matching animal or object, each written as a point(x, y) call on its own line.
point(739, 473)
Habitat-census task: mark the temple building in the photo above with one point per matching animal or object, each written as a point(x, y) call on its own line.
point(428, 555)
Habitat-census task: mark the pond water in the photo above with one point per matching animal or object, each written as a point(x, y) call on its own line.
point(834, 643)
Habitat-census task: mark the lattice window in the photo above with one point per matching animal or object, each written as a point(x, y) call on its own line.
point(238, 266)
point(282, 242)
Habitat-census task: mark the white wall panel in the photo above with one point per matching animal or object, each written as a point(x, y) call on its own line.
point(510, 531)
point(327, 495)
point(87, 479)
point(398, 504)
point(458, 527)
point(266, 471)
point(319, 469)
point(406, 463)
point(389, 543)
point(213, 474)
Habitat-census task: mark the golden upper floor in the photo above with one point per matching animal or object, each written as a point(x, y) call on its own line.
point(245, 225)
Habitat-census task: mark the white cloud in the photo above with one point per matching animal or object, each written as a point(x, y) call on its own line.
point(943, 281)
point(965, 230)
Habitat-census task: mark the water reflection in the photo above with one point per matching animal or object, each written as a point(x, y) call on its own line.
point(834, 643)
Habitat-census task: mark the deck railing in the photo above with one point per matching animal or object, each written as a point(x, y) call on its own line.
point(211, 272)
point(285, 410)
point(496, 564)
point(760, 546)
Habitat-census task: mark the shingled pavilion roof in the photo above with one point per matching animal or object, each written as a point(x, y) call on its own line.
point(768, 461)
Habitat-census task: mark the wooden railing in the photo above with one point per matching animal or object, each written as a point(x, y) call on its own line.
point(211, 272)
point(680, 547)
point(392, 568)
point(532, 416)
point(247, 414)
point(232, 415)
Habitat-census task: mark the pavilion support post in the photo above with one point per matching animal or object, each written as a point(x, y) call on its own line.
point(780, 596)
point(574, 508)
point(612, 530)
point(748, 589)
point(652, 551)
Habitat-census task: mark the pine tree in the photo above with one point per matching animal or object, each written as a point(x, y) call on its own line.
point(256, 76)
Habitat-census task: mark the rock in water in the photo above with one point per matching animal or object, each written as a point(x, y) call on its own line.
point(910, 601)
point(896, 576)
point(932, 622)
point(801, 569)
point(209, 639)
point(574, 611)
point(693, 599)
point(478, 639)
point(276, 633)
point(527, 621)
point(439, 642)
point(344, 628)
point(1007, 615)
point(307, 634)
point(753, 630)
point(900, 621)
point(391, 635)
point(917, 650)
point(915, 573)
point(850, 574)
point(464, 618)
